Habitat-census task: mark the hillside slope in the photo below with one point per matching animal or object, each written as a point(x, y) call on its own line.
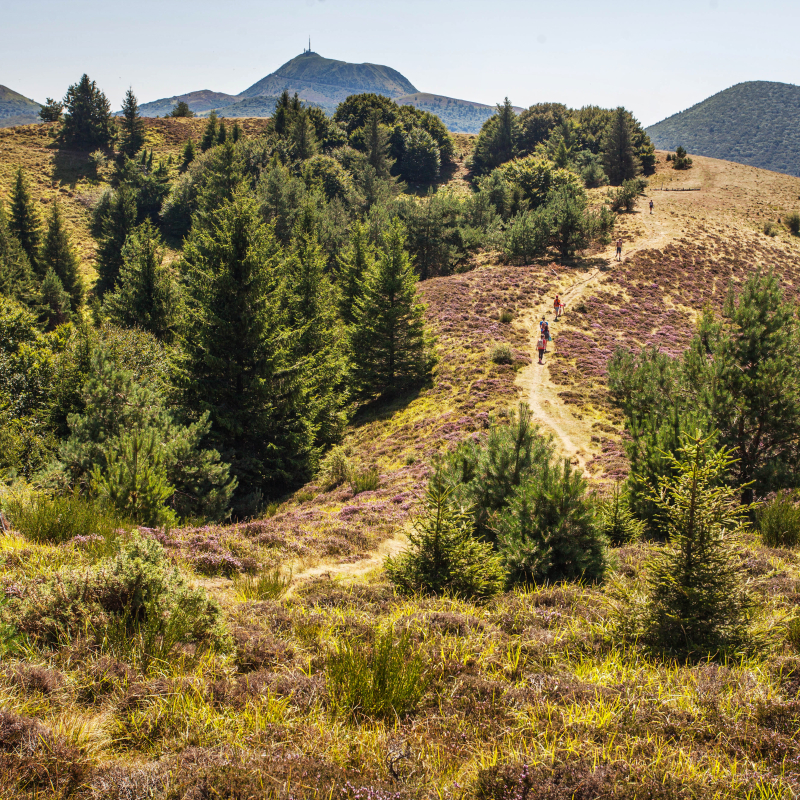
point(203, 100)
point(755, 123)
point(16, 109)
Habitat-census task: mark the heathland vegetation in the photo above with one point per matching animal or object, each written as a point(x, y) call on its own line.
point(267, 353)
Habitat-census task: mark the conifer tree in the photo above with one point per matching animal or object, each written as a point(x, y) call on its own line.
point(619, 159)
point(497, 141)
point(146, 294)
point(354, 264)
point(378, 146)
point(24, 222)
point(697, 604)
point(132, 125)
point(188, 154)
point(51, 111)
point(58, 254)
point(222, 133)
point(16, 278)
point(311, 311)
point(210, 133)
point(88, 123)
point(304, 139)
point(54, 301)
point(118, 223)
point(237, 351)
point(236, 132)
point(389, 346)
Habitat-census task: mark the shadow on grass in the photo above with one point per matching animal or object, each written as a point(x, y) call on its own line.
point(72, 166)
point(382, 408)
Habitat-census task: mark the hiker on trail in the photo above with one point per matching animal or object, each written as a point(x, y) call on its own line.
point(651, 206)
point(545, 330)
point(541, 346)
point(619, 249)
point(557, 306)
point(542, 324)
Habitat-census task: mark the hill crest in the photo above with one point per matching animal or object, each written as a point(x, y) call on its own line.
point(755, 123)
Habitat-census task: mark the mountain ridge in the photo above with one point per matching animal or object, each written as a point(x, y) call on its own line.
point(16, 109)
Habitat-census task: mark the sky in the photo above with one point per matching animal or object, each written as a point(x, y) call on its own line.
point(653, 58)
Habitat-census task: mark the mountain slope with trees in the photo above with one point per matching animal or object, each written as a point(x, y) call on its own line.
point(755, 123)
point(16, 109)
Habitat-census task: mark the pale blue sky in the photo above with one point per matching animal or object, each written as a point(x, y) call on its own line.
point(655, 59)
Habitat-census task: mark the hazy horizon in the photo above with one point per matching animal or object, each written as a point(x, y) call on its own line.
point(654, 62)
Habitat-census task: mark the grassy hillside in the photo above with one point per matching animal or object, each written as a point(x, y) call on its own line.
point(756, 123)
point(529, 696)
point(15, 109)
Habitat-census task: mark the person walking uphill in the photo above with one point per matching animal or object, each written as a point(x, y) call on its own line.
point(541, 346)
point(619, 250)
point(558, 307)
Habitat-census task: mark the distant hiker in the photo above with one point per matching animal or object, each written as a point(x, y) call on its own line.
point(541, 346)
point(557, 306)
point(619, 249)
point(651, 206)
point(546, 331)
point(542, 325)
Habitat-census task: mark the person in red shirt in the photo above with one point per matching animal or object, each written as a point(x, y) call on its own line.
point(541, 346)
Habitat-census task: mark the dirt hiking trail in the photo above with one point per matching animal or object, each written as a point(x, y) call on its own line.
point(573, 432)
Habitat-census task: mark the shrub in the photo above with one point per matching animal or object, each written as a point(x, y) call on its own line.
point(383, 678)
point(680, 160)
point(444, 557)
point(793, 223)
point(502, 354)
point(53, 520)
point(627, 195)
point(526, 236)
point(140, 585)
point(367, 480)
point(335, 468)
point(770, 228)
point(697, 606)
point(532, 507)
point(268, 585)
point(616, 520)
point(779, 521)
point(506, 315)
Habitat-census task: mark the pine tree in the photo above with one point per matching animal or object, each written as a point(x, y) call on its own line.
point(222, 133)
point(88, 123)
point(353, 265)
point(181, 109)
point(304, 139)
point(118, 223)
point(697, 604)
point(58, 254)
point(619, 159)
point(24, 222)
point(389, 346)
point(445, 556)
point(16, 278)
point(210, 132)
point(378, 146)
point(311, 311)
point(51, 111)
point(188, 154)
point(125, 446)
point(146, 294)
point(497, 141)
point(236, 132)
point(237, 351)
point(132, 125)
point(54, 301)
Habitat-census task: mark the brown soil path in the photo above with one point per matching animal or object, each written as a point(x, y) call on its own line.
point(573, 432)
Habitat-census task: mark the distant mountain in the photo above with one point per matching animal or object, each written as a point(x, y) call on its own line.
point(755, 123)
point(203, 100)
point(460, 116)
point(327, 82)
point(16, 109)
